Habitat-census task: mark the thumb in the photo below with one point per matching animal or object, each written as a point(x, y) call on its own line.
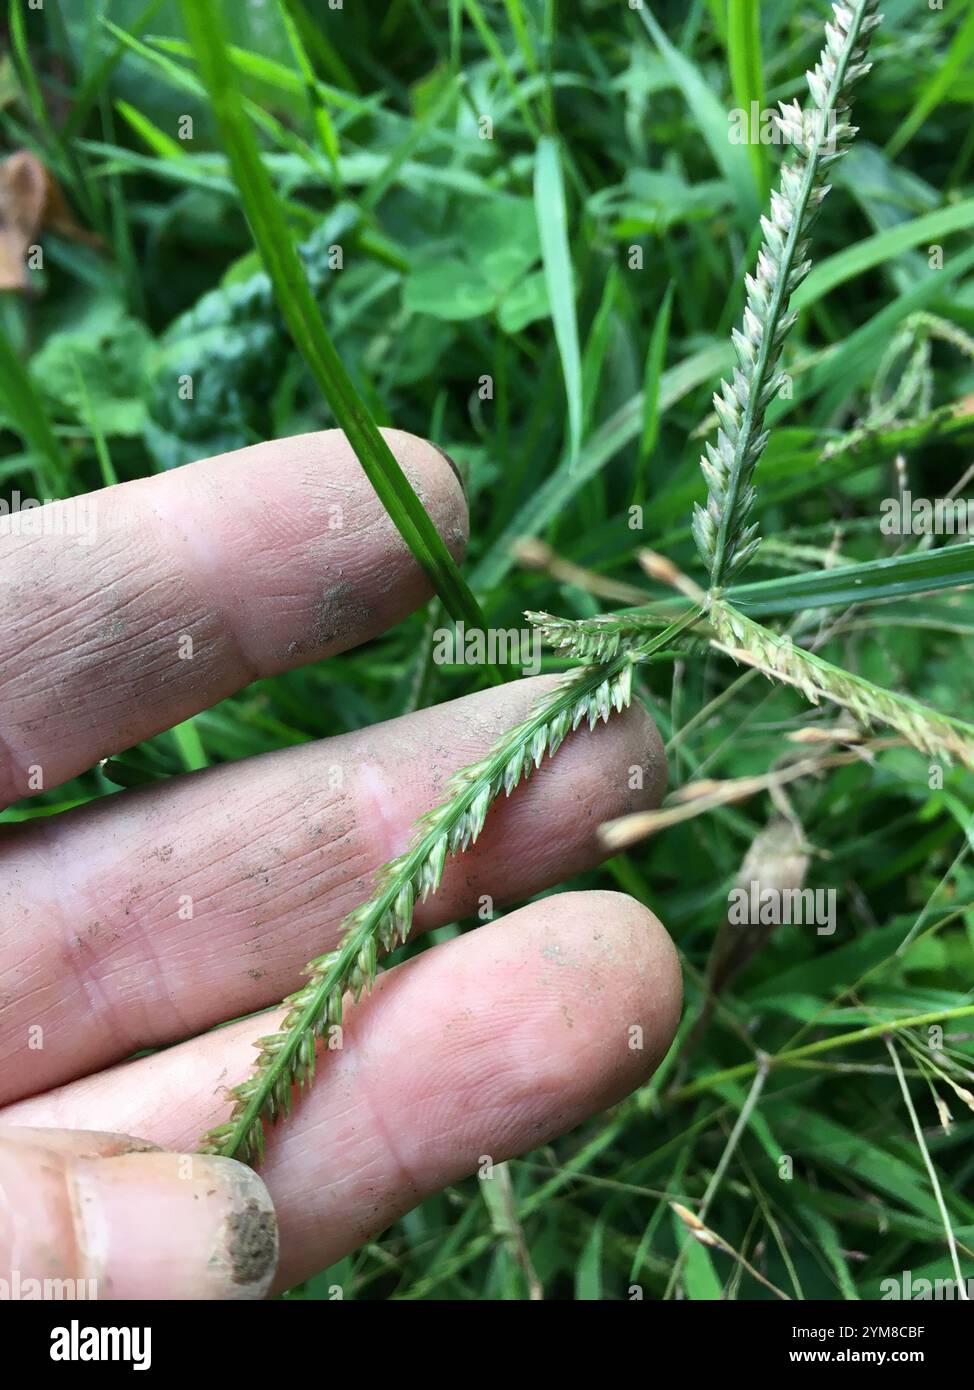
point(134, 1221)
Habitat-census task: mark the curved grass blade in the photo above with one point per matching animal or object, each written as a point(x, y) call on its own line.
point(942, 77)
point(98, 81)
point(275, 244)
point(883, 246)
point(324, 125)
point(560, 487)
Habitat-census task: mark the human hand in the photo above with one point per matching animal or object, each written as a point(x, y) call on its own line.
point(144, 918)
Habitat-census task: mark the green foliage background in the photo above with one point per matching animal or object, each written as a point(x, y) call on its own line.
point(454, 271)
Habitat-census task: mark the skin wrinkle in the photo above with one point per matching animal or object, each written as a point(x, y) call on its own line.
point(73, 951)
point(84, 645)
point(68, 704)
point(126, 586)
point(280, 826)
point(91, 1239)
point(277, 831)
point(156, 982)
point(283, 899)
point(13, 1048)
point(279, 968)
point(13, 773)
point(509, 1065)
point(50, 1180)
point(358, 1182)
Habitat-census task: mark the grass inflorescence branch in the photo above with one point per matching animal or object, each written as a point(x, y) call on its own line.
point(603, 637)
point(287, 1058)
point(778, 658)
point(725, 539)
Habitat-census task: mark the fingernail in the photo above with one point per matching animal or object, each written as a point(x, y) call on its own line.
point(175, 1226)
point(459, 476)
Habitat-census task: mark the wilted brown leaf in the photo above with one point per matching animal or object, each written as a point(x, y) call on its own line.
point(31, 202)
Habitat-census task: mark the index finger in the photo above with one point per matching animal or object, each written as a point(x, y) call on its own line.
point(131, 609)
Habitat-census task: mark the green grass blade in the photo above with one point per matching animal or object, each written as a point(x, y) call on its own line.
point(856, 358)
point(747, 78)
point(324, 125)
point(181, 78)
point(515, 14)
point(273, 239)
point(597, 345)
point(258, 66)
point(107, 469)
point(549, 202)
point(489, 41)
point(26, 411)
point(157, 140)
point(190, 746)
point(941, 79)
point(655, 358)
point(26, 70)
point(97, 81)
point(711, 118)
point(400, 155)
point(874, 250)
point(895, 577)
point(557, 491)
point(319, 46)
